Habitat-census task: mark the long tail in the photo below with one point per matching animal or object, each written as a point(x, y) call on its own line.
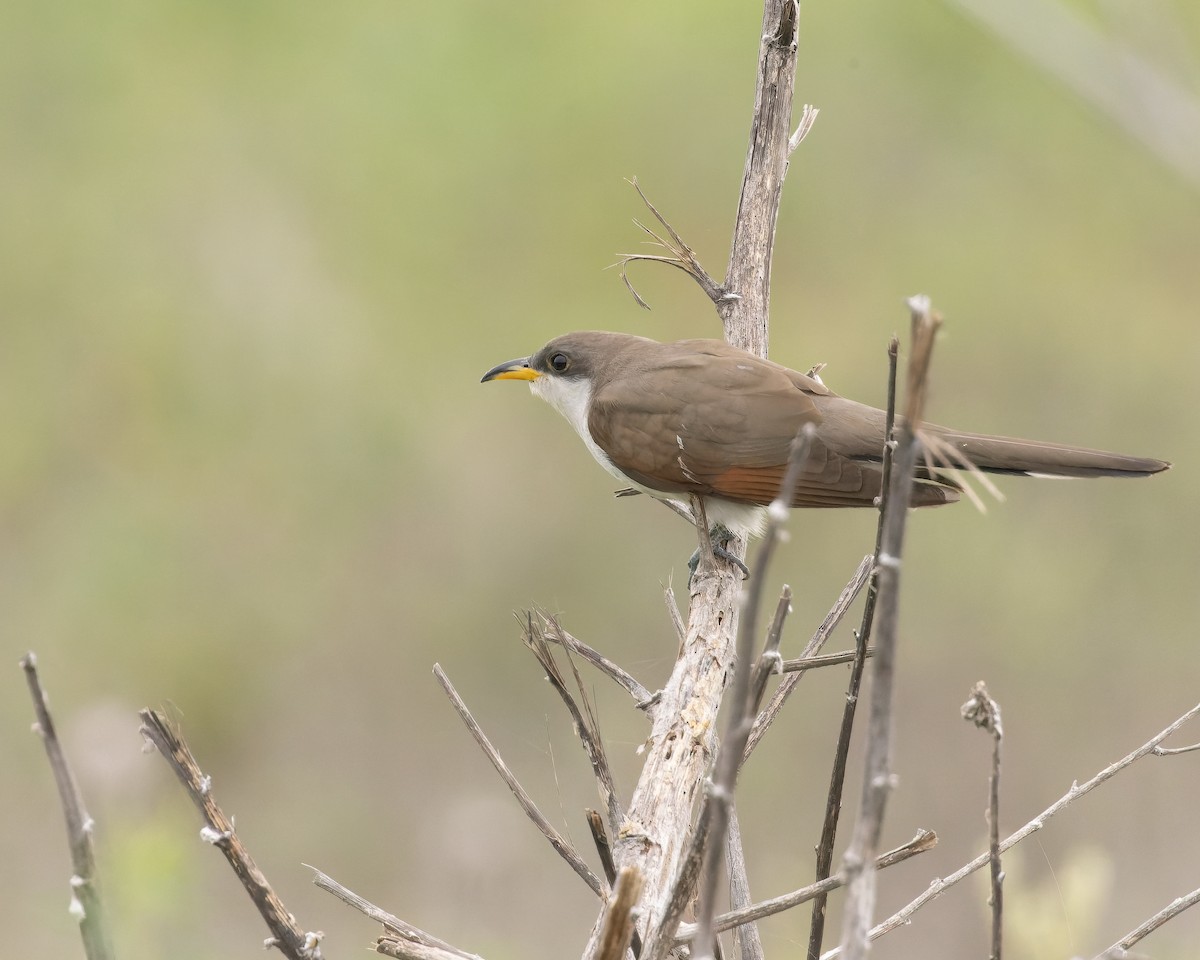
point(1033, 458)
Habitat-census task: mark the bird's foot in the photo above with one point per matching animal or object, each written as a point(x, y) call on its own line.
point(719, 537)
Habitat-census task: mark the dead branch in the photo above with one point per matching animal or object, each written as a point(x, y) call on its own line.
point(557, 840)
point(749, 942)
point(553, 631)
point(923, 841)
point(86, 906)
point(1118, 950)
point(903, 916)
point(801, 664)
point(403, 931)
point(218, 830)
point(617, 929)
point(877, 780)
point(583, 715)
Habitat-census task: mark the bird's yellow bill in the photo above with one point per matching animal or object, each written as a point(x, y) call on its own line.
point(512, 370)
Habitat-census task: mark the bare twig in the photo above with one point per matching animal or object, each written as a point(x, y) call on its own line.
point(1118, 950)
point(843, 603)
point(749, 942)
point(801, 664)
point(617, 929)
point(877, 780)
point(984, 712)
point(841, 753)
point(1175, 751)
point(557, 840)
point(903, 916)
point(86, 906)
point(557, 634)
point(402, 949)
point(218, 830)
point(583, 716)
point(595, 824)
point(674, 614)
point(394, 924)
point(681, 256)
point(742, 699)
point(923, 841)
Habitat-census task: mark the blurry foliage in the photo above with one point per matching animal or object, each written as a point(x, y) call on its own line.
point(253, 260)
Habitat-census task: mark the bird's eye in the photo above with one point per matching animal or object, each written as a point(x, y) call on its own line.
point(559, 362)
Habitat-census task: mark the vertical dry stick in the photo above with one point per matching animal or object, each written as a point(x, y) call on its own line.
point(860, 902)
point(837, 779)
point(659, 816)
point(984, 712)
point(745, 308)
point(85, 895)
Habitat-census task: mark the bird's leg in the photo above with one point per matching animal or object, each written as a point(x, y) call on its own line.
point(719, 536)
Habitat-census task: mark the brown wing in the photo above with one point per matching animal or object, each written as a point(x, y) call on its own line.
point(726, 432)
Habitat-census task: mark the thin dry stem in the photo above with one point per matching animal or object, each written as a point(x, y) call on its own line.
point(923, 841)
point(1118, 950)
point(583, 715)
point(553, 632)
point(218, 830)
point(402, 930)
point(86, 905)
point(877, 779)
point(841, 753)
point(557, 840)
point(984, 712)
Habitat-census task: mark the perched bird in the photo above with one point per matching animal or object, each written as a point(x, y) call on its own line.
point(702, 417)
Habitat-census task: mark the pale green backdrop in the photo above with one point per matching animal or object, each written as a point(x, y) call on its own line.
point(254, 258)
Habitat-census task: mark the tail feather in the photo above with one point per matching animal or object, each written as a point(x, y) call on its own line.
point(1035, 458)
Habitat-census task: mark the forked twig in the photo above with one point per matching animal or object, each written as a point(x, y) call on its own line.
point(86, 906)
point(218, 830)
point(903, 916)
point(682, 257)
point(557, 840)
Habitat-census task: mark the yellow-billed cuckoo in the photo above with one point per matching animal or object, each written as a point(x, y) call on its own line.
point(702, 417)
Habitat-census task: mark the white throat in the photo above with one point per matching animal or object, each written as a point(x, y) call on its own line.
point(573, 397)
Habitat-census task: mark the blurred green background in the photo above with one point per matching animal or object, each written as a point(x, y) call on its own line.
point(254, 258)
